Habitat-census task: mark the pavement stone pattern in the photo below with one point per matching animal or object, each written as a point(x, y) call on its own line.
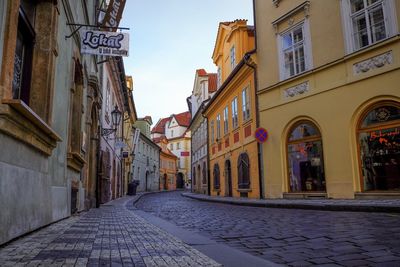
point(109, 236)
point(376, 205)
point(292, 237)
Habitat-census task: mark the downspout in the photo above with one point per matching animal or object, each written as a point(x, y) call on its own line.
point(259, 146)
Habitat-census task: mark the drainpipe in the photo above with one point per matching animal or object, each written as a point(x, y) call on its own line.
point(259, 146)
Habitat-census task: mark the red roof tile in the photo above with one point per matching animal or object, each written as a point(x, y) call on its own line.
point(160, 126)
point(183, 119)
point(201, 72)
point(212, 82)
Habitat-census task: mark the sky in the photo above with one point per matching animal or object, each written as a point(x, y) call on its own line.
point(169, 40)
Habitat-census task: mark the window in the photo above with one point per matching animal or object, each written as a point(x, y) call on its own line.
point(367, 22)
point(226, 116)
point(219, 127)
point(246, 104)
point(171, 146)
point(293, 52)
point(212, 132)
point(219, 77)
point(305, 158)
point(178, 145)
point(379, 141)
point(234, 113)
point(21, 84)
point(243, 171)
point(216, 177)
point(172, 133)
point(233, 57)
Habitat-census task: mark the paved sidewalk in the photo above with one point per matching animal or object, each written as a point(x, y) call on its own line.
point(109, 236)
point(384, 205)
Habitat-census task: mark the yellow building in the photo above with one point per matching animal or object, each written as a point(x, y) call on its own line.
point(231, 114)
point(329, 95)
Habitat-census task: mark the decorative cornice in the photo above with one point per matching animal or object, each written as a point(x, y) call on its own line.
point(373, 63)
point(304, 6)
point(296, 90)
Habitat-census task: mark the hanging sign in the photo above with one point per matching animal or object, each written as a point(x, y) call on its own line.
point(261, 135)
point(114, 13)
point(185, 154)
point(105, 43)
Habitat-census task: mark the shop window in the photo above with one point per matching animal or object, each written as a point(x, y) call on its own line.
point(305, 158)
point(216, 177)
point(204, 181)
point(243, 171)
point(379, 141)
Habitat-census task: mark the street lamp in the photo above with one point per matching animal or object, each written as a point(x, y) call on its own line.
point(116, 116)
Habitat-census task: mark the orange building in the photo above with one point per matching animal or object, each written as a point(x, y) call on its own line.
point(168, 166)
point(231, 114)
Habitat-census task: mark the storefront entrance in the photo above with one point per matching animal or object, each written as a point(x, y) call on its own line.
point(305, 159)
point(379, 146)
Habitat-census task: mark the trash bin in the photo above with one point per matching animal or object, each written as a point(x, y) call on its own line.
point(132, 187)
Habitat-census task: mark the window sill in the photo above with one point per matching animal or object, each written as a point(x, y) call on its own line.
point(247, 122)
point(244, 190)
point(21, 122)
point(75, 161)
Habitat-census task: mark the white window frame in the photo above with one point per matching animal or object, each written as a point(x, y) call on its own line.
point(232, 56)
point(219, 127)
point(305, 26)
point(235, 120)
point(390, 18)
point(226, 120)
point(246, 104)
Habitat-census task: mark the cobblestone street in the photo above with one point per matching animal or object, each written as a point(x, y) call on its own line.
point(109, 236)
point(289, 236)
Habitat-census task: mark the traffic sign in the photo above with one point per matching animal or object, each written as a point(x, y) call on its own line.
point(261, 135)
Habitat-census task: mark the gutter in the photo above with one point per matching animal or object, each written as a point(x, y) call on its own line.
point(259, 146)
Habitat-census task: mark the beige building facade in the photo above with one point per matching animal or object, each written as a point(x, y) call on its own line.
point(329, 96)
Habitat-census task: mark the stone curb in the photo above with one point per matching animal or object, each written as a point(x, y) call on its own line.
point(293, 205)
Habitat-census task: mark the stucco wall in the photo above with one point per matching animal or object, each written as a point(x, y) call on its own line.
point(25, 189)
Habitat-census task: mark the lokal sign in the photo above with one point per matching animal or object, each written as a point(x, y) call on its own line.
point(114, 13)
point(105, 43)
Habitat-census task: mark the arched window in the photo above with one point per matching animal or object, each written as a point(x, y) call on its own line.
point(379, 142)
point(216, 177)
point(204, 173)
point(243, 171)
point(305, 158)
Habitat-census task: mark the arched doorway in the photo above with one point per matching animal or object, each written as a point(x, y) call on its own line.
point(216, 177)
point(165, 181)
point(305, 158)
point(180, 183)
point(147, 187)
point(228, 178)
point(379, 147)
